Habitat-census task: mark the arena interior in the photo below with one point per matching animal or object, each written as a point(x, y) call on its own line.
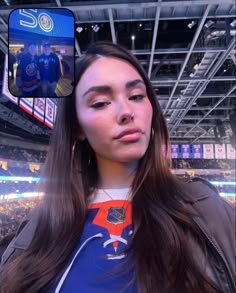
point(188, 51)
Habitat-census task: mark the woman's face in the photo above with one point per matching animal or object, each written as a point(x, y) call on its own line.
point(114, 111)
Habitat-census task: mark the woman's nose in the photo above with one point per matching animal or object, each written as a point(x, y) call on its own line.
point(126, 117)
point(125, 112)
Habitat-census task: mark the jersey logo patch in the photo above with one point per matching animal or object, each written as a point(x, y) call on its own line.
point(116, 215)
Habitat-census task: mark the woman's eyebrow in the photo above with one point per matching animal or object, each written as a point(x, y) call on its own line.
point(98, 89)
point(133, 83)
point(105, 89)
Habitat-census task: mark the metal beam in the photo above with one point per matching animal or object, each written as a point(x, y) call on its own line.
point(200, 125)
point(214, 107)
point(213, 71)
point(207, 131)
point(172, 80)
point(4, 23)
point(212, 96)
point(3, 46)
point(194, 118)
point(81, 6)
point(198, 31)
point(77, 47)
point(202, 108)
point(190, 136)
point(233, 58)
point(162, 18)
point(58, 3)
point(154, 38)
point(112, 26)
point(7, 2)
point(231, 9)
point(179, 50)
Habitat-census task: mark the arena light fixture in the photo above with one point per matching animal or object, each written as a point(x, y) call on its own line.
point(209, 23)
point(79, 29)
point(96, 28)
point(233, 23)
point(191, 24)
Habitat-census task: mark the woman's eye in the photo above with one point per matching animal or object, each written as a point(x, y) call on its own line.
point(100, 105)
point(137, 97)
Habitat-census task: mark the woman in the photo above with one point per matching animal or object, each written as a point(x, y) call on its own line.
point(110, 153)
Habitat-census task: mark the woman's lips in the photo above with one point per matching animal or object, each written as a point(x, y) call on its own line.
point(131, 137)
point(128, 135)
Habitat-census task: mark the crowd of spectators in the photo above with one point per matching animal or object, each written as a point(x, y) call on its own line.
point(22, 154)
point(8, 187)
point(203, 164)
point(18, 171)
point(13, 212)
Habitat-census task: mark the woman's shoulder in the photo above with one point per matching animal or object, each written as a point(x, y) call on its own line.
point(21, 240)
point(213, 214)
point(205, 201)
point(197, 189)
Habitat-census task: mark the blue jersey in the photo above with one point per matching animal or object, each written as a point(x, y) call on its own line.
point(102, 263)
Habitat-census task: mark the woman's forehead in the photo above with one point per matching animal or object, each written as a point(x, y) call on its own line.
point(107, 70)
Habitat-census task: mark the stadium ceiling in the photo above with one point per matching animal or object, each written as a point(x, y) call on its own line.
point(186, 47)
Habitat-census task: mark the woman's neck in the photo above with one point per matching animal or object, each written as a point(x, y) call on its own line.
point(115, 175)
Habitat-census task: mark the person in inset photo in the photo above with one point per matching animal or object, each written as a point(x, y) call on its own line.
point(20, 53)
point(27, 74)
point(50, 72)
point(12, 61)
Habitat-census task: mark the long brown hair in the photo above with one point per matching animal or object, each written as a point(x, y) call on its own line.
point(163, 260)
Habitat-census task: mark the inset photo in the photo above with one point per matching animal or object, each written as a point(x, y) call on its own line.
point(41, 52)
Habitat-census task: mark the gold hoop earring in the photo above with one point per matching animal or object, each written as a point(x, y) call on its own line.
point(73, 153)
point(152, 133)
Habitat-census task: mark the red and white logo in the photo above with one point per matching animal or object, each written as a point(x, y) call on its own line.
point(31, 69)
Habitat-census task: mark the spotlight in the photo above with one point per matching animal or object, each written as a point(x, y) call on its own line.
point(209, 23)
point(79, 29)
point(233, 23)
point(140, 25)
point(132, 37)
point(191, 24)
point(196, 66)
point(96, 28)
